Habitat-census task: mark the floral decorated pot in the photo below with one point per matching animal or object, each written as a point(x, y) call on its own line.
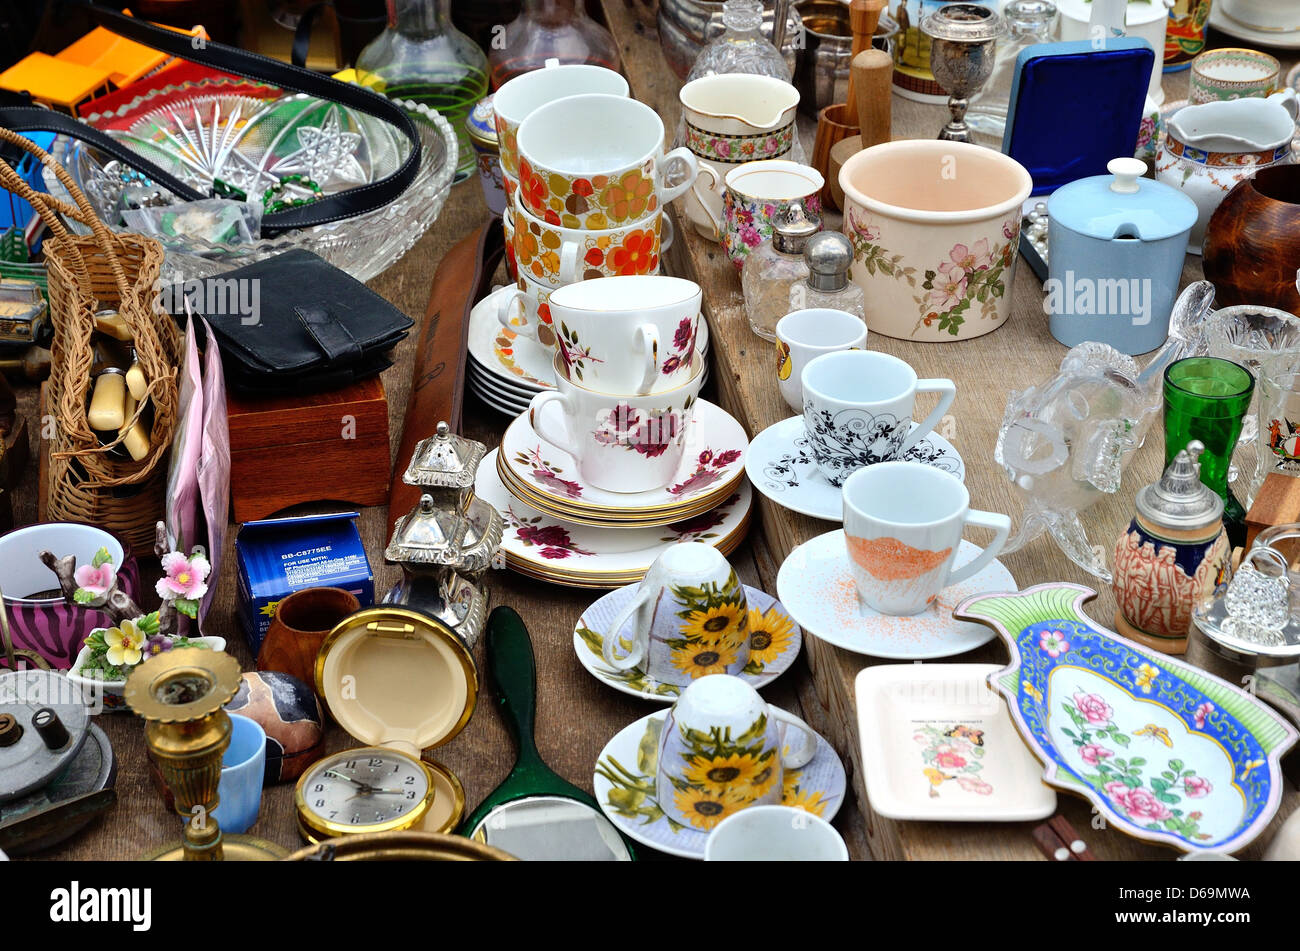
point(756, 193)
point(556, 256)
point(935, 228)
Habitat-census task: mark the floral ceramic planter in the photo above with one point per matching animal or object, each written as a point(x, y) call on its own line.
point(935, 228)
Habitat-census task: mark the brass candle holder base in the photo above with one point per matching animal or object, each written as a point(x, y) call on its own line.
point(234, 848)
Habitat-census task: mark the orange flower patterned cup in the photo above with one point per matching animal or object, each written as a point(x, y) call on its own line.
point(597, 162)
point(554, 255)
point(903, 523)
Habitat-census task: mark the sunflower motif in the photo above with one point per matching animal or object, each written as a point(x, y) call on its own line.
point(742, 773)
point(724, 624)
point(699, 658)
point(808, 800)
point(770, 634)
point(703, 810)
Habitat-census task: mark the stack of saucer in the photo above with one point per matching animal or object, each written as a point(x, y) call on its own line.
point(620, 452)
point(506, 369)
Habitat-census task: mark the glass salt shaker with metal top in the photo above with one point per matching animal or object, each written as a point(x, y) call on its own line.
point(828, 255)
point(775, 266)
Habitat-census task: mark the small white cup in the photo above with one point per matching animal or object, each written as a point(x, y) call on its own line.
point(857, 409)
point(803, 335)
point(775, 834)
point(903, 523)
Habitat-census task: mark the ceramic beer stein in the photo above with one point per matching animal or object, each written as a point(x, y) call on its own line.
point(689, 618)
point(722, 748)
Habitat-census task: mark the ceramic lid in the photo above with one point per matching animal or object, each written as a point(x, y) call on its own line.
point(444, 461)
point(481, 124)
point(1122, 205)
point(397, 678)
point(1180, 500)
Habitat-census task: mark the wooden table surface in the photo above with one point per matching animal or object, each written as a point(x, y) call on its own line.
point(577, 715)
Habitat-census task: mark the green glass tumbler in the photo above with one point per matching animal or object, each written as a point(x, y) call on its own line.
point(1207, 398)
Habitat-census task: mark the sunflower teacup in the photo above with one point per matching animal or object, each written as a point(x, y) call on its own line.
point(723, 749)
point(688, 618)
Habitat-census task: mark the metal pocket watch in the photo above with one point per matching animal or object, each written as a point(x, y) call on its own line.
point(399, 681)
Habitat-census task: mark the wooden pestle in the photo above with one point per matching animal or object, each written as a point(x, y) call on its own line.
point(838, 121)
point(871, 75)
point(864, 16)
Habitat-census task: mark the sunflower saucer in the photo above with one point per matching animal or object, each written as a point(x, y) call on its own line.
point(774, 642)
point(625, 789)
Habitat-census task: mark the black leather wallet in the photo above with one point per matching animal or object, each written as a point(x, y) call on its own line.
point(294, 321)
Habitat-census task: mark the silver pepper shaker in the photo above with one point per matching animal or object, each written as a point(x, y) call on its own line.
point(829, 256)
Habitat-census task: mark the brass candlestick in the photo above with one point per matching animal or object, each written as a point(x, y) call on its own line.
point(181, 695)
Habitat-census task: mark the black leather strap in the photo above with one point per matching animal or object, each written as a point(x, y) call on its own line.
point(230, 59)
point(330, 335)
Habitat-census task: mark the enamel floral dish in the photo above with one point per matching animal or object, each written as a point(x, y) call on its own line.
point(817, 588)
point(1165, 751)
point(582, 556)
point(774, 642)
point(939, 745)
point(625, 788)
point(711, 469)
point(779, 462)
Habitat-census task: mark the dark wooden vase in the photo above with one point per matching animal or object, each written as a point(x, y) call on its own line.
point(301, 622)
point(1252, 243)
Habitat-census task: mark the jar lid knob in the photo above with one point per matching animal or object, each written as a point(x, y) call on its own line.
point(1126, 171)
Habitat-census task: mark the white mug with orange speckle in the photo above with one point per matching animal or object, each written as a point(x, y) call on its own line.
point(903, 523)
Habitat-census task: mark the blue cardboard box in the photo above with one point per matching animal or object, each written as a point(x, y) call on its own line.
point(278, 556)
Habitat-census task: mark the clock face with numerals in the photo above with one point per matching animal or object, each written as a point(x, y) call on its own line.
point(364, 790)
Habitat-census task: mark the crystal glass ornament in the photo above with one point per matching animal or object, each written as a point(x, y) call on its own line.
point(1028, 22)
point(423, 58)
point(550, 29)
point(741, 48)
point(771, 269)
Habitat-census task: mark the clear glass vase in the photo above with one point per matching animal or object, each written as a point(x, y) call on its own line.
point(549, 29)
point(1028, 22)
point(423, 58)
point(741, 48)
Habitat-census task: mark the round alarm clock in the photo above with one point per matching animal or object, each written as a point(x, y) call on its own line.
point(400, 682)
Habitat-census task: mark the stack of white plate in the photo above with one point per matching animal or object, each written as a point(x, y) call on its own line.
point(506, 370)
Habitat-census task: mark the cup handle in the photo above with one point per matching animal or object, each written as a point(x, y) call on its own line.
point(807, 750)
point(560, 439)
point(947, 391)
point(703, 197)
point(640, 644)
point(647, 336)
point(569, 262)
point(511, 304)
point(1001, 525)
point(666, 234)
point(680, 154)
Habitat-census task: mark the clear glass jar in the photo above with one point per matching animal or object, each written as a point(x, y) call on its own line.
point(422, 57)
point(774, 267)
point(741, 48)
point(1028, 22)
point(828, 257)
point(550, 29)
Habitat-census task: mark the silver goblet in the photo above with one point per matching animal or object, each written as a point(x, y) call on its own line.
point(963, 43)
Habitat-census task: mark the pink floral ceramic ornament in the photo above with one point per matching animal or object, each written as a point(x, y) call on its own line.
point(184, 581)
point(96, 579)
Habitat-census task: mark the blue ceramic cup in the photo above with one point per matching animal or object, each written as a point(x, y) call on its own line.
point(242, 768)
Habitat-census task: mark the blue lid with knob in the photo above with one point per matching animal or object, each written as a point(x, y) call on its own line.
point(1122, 205)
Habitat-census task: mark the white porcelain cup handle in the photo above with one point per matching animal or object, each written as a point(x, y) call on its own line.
point(947, 391)
point(569, 262)
point(1286, 98)
point(704, 193)
point(681, 154)
point(511, 304)
point(1001, 525)
point(666, 233)
point(561, 438)
point(640, 632)
point(803, 753)
point(647, 338)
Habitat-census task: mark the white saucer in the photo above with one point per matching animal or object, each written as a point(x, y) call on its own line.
point(1277, 40)
point(818, 590)
point(625, 788)
point(783, 645)
point(779, 463)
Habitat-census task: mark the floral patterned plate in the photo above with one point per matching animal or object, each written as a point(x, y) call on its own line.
point(616, 556)
point(625, 788)
point(711, 467)
point(938, 744)
point(1165, 751)
point(780, 464)
point(818, 590)
point(774, 642)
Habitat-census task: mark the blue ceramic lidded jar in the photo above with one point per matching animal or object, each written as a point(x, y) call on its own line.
point(1117, 246)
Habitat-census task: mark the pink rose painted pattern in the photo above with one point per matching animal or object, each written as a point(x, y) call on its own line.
point(952, 753)
point(734, 149)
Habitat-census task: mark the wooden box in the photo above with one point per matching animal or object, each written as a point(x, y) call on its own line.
point(1278, 503)
point(286, 450)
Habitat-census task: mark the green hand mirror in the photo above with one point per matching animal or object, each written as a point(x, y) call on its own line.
point(534, 813)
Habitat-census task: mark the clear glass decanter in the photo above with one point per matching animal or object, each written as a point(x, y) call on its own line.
point(549, 29)
point(775, 266)
point(741, 48)
point(1028, 22)
point(421, 56)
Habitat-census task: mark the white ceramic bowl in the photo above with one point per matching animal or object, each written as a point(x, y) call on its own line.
point(108, 694)
point(774, 834)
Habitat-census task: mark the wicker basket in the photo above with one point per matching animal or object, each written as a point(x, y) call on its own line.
point(87, 481)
